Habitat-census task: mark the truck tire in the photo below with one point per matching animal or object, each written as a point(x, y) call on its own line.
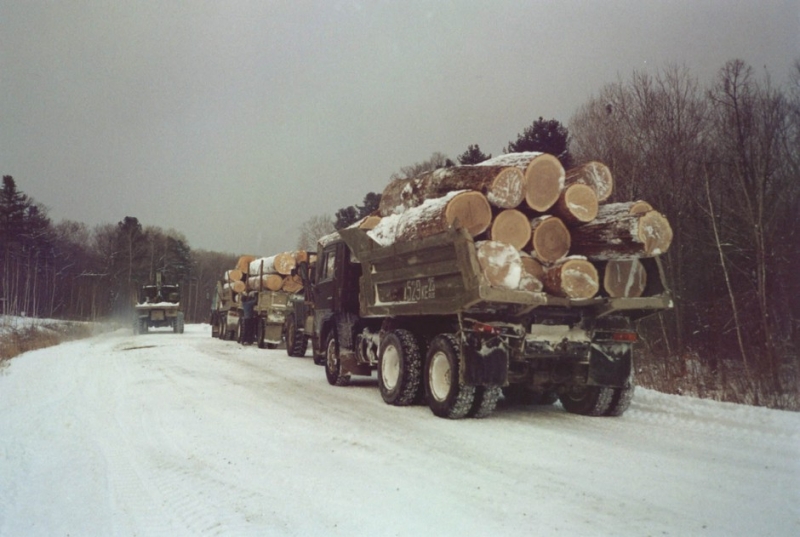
point(333, 365)
point(587, 400)
point(399, 368)
point(260, 329)
point(240, 331)
point(621, 399)
point(296, 342)
point(486, 398)
point(178, 328)
point(448, 397)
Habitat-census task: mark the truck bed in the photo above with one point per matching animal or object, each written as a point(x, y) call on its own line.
point(440, 275)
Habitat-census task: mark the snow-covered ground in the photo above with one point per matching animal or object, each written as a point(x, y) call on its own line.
point(167, 434)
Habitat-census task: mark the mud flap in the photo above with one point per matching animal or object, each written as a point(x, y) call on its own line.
point(485, 361)
point(609, 364)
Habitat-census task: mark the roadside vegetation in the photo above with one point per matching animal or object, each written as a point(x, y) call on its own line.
point(17, 338)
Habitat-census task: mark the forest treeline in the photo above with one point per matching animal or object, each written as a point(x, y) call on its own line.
point(69, 271)
point(720, 159)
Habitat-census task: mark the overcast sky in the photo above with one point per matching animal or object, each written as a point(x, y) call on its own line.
point(234, 121)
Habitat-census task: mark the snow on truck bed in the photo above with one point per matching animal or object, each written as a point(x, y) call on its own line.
point(166, 434)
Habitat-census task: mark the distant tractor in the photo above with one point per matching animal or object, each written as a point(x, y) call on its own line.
point(159, 306)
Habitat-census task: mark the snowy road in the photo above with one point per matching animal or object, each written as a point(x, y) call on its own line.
point(167, 434)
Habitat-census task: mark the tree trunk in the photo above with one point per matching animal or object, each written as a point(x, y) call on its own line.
point(572, 278)
point(595, 175)
point(551, 238)
point(544, 176)
point(500, 264)
point(511, 227)
point(624, 278)
point(622, 236)
point(466, 209)
point(503, 187)
point(292, 284)
point(576, 205)
point(282, 263)
point(244, 263)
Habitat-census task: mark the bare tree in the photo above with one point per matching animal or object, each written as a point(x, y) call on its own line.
point(312, 229)
point(435, 161)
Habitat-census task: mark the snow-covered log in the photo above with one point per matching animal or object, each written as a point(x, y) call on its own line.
point(464, 209)
point(622, 236)
point(511, 227)
point(572, 277)
point(624, 207)
point(544, 176)
point(503, 187)
point(595, 175)
point(268, 282)
point(551, 238)
point(282, 263)
point(576, 205)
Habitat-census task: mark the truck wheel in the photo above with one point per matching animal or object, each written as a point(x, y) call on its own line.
point(486, 398)
point(448, 397)
point(296, 342)
point(240, 331)
point(178, 326)
point(587, 400)
point(621, 399)
point(399, 368)
point(333, 365)
point(260, 334)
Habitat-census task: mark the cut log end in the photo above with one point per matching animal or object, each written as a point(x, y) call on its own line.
point(511, 227)
point(595, 175)
point(572, 278)
point(500, 264)
point(624, 278)
point(370, 222)
point(551, 238)
point(655, 233)
point(577, 204)
point(469, 210)
point(544, 181)
point(507, 189)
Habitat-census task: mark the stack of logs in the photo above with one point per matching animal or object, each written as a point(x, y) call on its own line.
point(536, 226)
point(273, 273)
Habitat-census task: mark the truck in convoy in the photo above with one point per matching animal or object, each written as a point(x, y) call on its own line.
point(423, 316)
point(159, 306)
point(244, 309)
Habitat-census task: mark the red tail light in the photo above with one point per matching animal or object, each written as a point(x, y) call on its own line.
point(625, 336)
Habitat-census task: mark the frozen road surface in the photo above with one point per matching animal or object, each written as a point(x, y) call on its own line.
point(166, 434)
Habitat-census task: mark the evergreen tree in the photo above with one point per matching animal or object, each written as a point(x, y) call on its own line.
point(349, 215)
point(545, 136)
point(473, 155)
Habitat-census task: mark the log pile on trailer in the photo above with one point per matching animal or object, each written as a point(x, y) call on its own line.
point(536, 225)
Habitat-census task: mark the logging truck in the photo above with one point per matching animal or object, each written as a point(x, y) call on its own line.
point(423, 314)
point(159, 306)
point(251, 302)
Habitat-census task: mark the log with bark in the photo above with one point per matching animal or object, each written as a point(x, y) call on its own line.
point(544, 176)
point(595, 175)
point(576, 205)
point(282, 263)
point(467, 209)
point(292, 284)
point(572, 277)
point(624, 207)
point(233, 275)
point(265, 282)
point(503, 187)
point(244, 262)
point(500, 264)
point(551, 238)
point(511, 227)
point(624, 278)
point(622, 236)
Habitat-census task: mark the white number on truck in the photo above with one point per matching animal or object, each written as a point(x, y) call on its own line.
point(419, 289)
